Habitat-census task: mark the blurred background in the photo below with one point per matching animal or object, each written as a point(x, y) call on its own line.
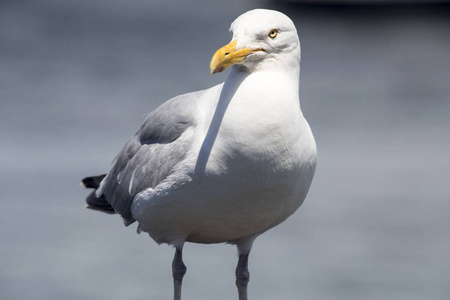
point(78, 76)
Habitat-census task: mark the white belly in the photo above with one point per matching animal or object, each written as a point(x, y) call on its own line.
point(235, 196)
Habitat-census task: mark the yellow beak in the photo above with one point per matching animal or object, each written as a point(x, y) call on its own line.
point(228, 56)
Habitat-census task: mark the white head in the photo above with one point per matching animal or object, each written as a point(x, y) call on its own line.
point(262, 39)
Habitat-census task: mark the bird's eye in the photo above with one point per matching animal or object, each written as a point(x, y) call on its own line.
point(273, 33)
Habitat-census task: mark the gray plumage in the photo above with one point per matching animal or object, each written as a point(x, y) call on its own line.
point(149, 155)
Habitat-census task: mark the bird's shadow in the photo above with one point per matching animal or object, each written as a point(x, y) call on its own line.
point(230, 87)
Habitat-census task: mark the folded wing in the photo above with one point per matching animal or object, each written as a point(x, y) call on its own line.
point(150, 155)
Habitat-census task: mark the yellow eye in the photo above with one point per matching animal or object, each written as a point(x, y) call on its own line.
point(273, 33)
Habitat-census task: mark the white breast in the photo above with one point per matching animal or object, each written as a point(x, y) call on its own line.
point(253, 171)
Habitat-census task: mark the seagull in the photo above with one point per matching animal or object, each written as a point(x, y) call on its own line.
point(225, 164)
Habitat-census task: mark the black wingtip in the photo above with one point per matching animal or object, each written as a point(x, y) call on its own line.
point(92, 182)
point(94, 202)
point(99, 203)
point(104, 210)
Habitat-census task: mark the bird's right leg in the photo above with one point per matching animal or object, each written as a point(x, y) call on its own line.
point(242, 276)
point(178, 271)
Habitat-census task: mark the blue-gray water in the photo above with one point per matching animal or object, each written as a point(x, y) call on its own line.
point(77, 77)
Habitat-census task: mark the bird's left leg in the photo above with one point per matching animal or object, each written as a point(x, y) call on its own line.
point(242, 275)
point(178, 271)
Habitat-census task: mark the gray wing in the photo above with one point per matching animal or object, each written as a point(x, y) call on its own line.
point(150, 155)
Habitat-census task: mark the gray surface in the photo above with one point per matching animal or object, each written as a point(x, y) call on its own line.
point(375, 89)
